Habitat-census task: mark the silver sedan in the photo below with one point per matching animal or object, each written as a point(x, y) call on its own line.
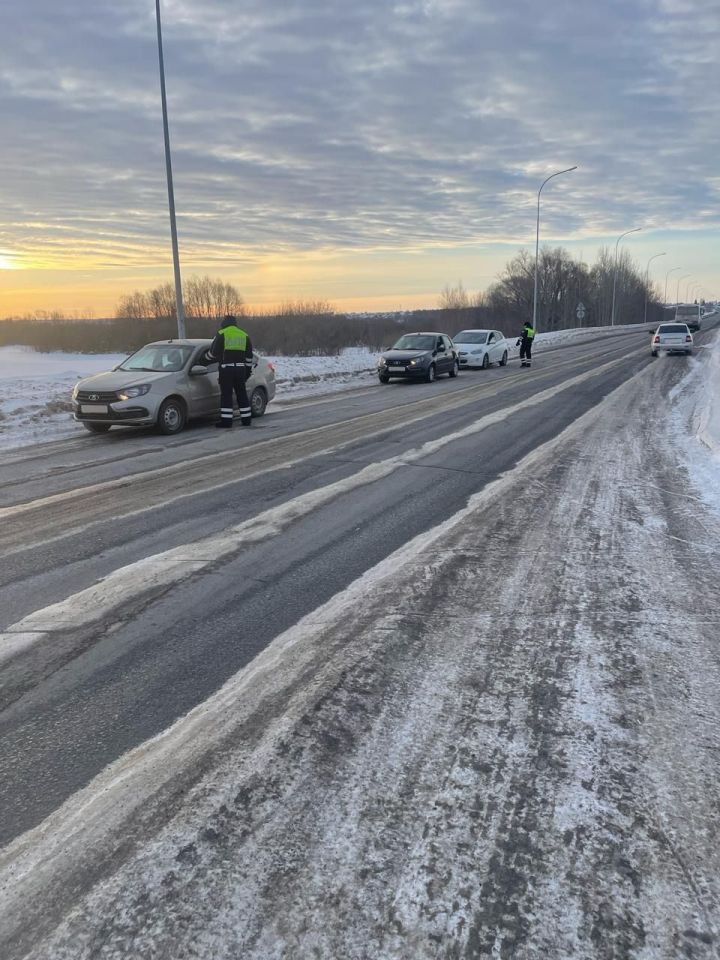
point(164, 384)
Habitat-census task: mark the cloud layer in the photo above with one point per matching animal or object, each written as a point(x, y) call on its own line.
point(313, 125)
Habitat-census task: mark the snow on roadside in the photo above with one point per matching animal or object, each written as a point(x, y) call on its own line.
point(695, 421)
point(35, 387)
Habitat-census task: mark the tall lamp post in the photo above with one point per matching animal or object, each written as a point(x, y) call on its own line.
point(647, 279)
point(617, 242)
point(666, 282)
point(677, 288)
point(537, 240)
point(180, 309)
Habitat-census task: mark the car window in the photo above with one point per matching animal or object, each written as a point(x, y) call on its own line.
point(415, 341)
point(471, 336)
point(158, 358)
point(500, 335)
point(448, 343)
point(673, 328)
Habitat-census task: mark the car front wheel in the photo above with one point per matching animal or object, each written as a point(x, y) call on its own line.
point(455, 370)
point(486, 362)
point(430, 375)
point(503, 362)
point(172, 416)
point(258, 402)
point(383, 378)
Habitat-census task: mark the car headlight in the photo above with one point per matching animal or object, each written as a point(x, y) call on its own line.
point(476, 352)
point(418, 361)
point(129, 392)
point(75, 391)
point(382, 362)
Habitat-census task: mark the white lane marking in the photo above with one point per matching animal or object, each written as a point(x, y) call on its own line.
point(88, 825)
point(112, 593)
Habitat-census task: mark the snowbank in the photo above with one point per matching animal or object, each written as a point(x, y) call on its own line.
point(695, 421)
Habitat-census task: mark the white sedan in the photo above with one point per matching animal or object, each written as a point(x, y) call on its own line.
point(671, 338)
point(480, 348)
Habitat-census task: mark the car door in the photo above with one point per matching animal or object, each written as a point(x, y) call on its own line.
point(203, 389)
point(451, 353)
point(441, 359)
point(501, 345)
point(491, 347)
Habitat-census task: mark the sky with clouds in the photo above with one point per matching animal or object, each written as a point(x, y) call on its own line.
point(366, 152)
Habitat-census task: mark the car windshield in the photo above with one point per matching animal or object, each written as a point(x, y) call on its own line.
point(416, 341)
point(673, 328)
point(471, 336)
point(158, 358)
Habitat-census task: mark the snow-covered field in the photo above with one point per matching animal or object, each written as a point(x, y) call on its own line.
point(35, 387)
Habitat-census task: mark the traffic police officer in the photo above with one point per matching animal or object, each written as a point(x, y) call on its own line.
point(525, 342)
point(232, 349)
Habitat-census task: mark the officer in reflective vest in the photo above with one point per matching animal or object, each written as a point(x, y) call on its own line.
point(232, 349)
point(525, 342)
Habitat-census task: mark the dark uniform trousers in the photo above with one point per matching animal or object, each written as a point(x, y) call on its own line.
point(232, 378)
point(526, 350)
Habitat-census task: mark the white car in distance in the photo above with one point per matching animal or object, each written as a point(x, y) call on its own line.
point(480, 348)
point(671, 338)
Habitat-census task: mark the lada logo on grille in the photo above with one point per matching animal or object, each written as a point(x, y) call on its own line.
point(93, 396)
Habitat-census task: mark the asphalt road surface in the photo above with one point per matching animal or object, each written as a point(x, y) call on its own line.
point(378, 677)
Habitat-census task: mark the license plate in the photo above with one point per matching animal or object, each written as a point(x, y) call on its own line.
point(93, 408)
point(396, 369)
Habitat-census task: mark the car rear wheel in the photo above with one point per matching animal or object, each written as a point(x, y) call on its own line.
point(383, 378)
point(503, 362)
point(96, 427)
point(653, 353)
point(430, 375)
point(486, 362)
point(258, 402)
point(455, 370)
point(172, 416)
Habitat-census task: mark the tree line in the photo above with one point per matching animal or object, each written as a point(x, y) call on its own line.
point(307, 327)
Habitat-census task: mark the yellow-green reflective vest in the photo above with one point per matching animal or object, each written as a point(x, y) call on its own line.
point(234, 337)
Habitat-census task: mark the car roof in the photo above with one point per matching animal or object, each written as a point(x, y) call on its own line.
point(178, 343)
point(479, 330)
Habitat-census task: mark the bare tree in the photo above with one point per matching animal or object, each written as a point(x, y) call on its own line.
point(454, 298)
point(133, 306)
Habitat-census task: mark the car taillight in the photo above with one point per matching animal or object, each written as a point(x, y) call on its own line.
point(271, 366)
point(656, 340)
point(688, 339)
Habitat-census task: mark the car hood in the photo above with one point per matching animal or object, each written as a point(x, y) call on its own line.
point(405, 354)
point(117, 379)
point(459, 345)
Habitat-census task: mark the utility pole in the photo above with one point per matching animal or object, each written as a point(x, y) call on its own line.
point(179, 307)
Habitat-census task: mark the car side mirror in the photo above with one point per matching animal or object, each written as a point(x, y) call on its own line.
point(198, 370)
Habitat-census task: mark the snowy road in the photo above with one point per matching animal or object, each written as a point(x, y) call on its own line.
point(426, 672)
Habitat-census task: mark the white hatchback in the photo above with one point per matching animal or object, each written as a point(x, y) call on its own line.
point(480, 348)
point(671, 338)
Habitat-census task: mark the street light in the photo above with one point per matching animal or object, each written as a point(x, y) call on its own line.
point(677, 288)
point(647, 279)
point(666, 282)
point(537, 240)
point(180, 310)
point(612, 312)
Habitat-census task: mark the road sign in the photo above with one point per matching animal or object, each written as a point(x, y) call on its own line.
point(580, 311)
